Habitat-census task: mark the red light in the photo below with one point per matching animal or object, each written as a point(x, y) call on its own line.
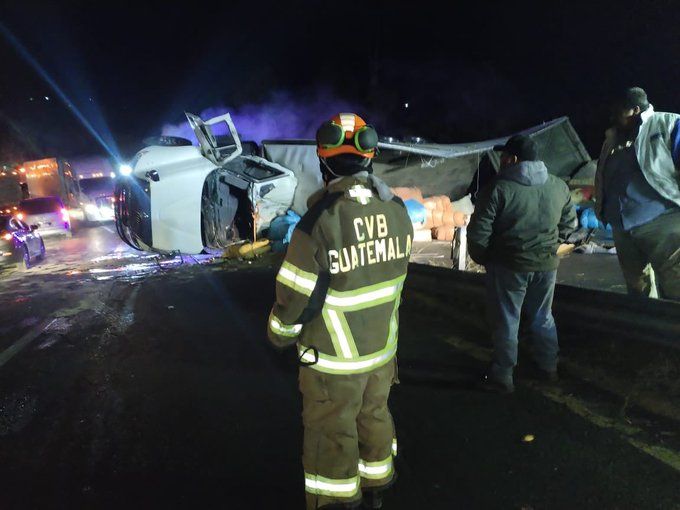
point(7, 237)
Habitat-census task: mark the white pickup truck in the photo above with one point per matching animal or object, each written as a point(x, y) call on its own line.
point(180, 198)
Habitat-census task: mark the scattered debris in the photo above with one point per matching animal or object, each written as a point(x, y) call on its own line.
point(49, 342)
point(591, 248)
point(247, 251)
point(59, 325)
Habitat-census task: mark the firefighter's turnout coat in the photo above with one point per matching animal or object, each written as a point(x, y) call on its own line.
point(338, 290)
point(337, 297)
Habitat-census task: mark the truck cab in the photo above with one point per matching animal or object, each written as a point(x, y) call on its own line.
point(182, 198)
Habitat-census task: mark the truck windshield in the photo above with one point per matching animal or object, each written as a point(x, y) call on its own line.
point(40, 205)
point(97, 186)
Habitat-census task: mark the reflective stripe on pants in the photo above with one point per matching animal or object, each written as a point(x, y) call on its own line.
point(336, 488)
point(376, 470)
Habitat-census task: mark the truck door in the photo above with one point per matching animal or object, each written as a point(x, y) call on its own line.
point(217, 137)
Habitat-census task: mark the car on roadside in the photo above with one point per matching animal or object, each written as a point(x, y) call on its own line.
point(20, 244)
point(46, 213)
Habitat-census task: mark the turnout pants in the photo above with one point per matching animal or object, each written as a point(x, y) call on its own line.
point(656, 243)
point(349, 439)
point(507, 293)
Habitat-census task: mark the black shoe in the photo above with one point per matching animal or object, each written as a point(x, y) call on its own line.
point(341, 506)
point(372, 499)
point(493, 386)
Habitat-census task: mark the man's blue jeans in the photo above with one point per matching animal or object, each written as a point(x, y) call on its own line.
point(507, 292)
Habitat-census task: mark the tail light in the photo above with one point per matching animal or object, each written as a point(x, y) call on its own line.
point(7, 237)
point(64, 214)
point(20, 216)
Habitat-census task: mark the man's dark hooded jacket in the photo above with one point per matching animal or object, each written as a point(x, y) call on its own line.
point(521, 218)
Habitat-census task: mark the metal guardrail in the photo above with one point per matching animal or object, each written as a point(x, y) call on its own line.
point(598, 314)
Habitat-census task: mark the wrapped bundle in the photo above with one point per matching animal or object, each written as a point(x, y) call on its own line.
point(422, 235)
point(408, 194)
point(444, 232)
point(460, 219)
point(440, 206)
point(437, 217)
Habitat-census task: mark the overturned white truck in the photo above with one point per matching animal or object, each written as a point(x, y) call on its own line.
point(185, 199)
point(182, 198)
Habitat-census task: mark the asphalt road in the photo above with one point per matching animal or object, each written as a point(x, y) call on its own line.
point(130, 382)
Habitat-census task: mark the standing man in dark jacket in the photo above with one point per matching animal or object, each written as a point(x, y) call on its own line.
point(637, 191)
point(519, 222)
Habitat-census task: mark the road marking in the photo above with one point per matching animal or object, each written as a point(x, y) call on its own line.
point(20, 344)
point(577, 406)
point(628, 432)
point(108, 229)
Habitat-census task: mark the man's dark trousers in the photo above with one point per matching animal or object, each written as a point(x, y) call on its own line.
point(656, 243)
point(507, 292)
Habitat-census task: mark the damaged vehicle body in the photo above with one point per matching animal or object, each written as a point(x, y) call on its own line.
point(185, 199)
point(190, 199)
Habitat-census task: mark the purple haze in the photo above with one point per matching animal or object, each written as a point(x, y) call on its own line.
point(281, 117)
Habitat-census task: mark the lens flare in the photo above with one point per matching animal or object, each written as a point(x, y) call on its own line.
point(23, 51)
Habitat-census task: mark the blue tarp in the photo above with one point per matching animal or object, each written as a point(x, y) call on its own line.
point(589, 220)
point(281, 230)
point(416, 211)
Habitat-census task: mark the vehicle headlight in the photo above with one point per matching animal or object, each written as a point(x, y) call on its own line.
point(91, 209)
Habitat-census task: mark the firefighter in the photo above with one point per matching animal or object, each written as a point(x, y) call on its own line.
point(337, 297)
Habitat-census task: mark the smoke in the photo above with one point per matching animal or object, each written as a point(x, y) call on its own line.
point(283, 116)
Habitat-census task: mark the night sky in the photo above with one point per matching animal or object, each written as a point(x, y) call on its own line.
point(472, 71)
